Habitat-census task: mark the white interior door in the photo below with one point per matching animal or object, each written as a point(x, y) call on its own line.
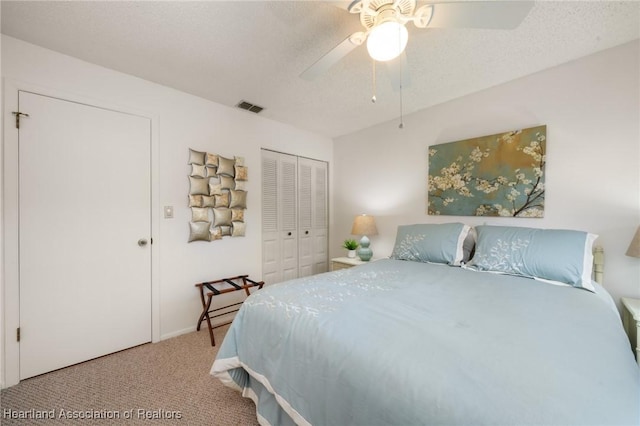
point(84, 190)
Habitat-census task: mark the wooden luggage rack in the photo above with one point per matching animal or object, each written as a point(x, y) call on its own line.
point(216, 288)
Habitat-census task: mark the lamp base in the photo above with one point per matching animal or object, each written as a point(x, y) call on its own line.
point(364, 252)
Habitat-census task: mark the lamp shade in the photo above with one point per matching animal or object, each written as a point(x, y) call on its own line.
point(387, 41)
point(634, 247)
point(364, 225)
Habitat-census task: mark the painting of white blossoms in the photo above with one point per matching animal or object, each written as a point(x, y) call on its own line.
point(497, 175)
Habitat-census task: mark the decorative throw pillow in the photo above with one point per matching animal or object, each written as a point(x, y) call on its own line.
point(216, 233)
point(221, 217)
point(196, 157)
point(237, 215)
point(215, 189)
point(435, 243)
point(238, 199)
point(557, 255)
point(226, 166)
point(222, 200)
point(241, 173)
point(211, 171)
point(237, 229)
point(199, 214)
point(195, 201)
point(227, 182)
point(198, 171)
point(211, 160)
point(208, 201)
point(198, 186)
point(199, 231)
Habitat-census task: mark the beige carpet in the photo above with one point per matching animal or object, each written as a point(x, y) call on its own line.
point(166, 379)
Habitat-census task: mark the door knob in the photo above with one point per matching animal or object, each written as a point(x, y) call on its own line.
point(142, 242)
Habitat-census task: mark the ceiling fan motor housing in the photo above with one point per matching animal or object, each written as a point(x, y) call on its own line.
point(387, 13)
point(375, 12)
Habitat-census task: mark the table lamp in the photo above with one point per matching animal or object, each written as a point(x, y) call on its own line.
point(634, 247)
point(364, 225)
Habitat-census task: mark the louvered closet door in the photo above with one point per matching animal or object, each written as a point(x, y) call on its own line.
point(294, 217)
point(305, 215)
point(279, 217)
point(320, 223)
point(313, 240)
point(271, 263)
point(288, 185)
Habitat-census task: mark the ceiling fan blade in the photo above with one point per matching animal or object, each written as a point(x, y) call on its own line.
point(327, 61)
point(482, 14)
point(341, 4)
point(398, 71)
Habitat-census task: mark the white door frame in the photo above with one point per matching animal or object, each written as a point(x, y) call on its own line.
point(9, 215)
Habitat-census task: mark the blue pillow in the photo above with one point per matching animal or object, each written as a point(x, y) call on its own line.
point(556, 255)
point(435, 243)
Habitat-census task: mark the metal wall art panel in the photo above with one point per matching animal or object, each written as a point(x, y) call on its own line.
point(217, 196)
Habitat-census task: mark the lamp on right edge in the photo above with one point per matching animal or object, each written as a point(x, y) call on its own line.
point(634, 247)
point(364, 225)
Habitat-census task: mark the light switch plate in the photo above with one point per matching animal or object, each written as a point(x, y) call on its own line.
point(168, 212)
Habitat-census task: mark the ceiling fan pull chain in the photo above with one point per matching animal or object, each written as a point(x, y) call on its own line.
point(373, 81)
point(401, 125)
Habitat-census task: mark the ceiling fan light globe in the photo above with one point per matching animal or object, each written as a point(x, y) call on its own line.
point(387, 41)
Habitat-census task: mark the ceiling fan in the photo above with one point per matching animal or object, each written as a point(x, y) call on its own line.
point(385, 31)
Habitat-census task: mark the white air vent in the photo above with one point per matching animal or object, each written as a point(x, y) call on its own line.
point(249, 106)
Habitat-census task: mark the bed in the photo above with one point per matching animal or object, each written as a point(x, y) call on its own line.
point(517, 337)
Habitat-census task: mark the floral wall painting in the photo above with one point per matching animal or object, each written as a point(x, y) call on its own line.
point(496, 175)
point(217, 196)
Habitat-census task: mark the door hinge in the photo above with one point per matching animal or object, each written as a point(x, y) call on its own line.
point(18, 114)
point(18, 334)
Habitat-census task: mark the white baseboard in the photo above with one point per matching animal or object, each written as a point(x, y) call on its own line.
point(179, 333)
point(220, 320)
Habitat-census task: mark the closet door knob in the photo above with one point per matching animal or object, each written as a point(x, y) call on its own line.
point(306, 232)
point(289, 233)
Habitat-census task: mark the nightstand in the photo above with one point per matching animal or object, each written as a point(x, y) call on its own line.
point(338, 263)
point(631, 322)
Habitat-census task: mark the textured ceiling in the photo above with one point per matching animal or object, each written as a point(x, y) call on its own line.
point(255, 51)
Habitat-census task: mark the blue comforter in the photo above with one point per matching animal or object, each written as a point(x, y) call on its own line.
point(405, 343)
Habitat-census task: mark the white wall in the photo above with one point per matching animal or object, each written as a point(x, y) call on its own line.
point(181, 121)
point(592, 111)
point(591, 108)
